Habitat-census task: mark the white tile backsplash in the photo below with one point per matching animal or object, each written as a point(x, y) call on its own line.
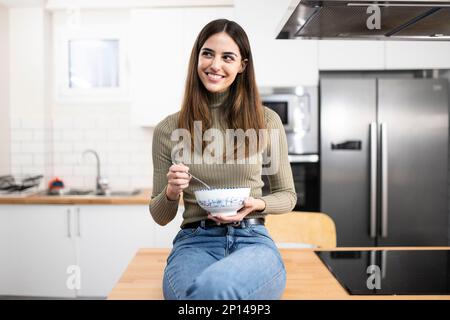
point(117, 135)
point(21, 135)
point(25, 159)
point(38, 135)
point(35, 122)
point(16, 123)
point(30, 170)
point(63, 123)
point(63, 171)
point(118, 158)
point(124, 151)
point(73, 135)
point(32, 146)
point(62, 147)
point(39, 160)
point(94, 134)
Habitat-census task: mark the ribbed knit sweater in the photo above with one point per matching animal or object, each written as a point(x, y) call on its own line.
point(282, 197)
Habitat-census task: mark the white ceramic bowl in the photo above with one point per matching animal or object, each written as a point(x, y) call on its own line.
point(224, 202)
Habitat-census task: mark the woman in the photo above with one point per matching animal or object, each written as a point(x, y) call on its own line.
point(221, 257)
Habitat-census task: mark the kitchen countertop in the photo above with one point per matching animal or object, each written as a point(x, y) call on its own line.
point(307, 277)
point(36, 198)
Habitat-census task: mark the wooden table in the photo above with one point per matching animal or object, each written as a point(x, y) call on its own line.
point(307, 276)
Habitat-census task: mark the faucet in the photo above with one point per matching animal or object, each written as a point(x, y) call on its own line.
point(102, 184)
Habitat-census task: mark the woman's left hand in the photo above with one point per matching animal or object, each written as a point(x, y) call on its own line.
point(250, 204)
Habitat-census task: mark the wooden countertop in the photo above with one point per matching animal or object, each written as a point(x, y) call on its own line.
point(307, 277)
point(142, 198)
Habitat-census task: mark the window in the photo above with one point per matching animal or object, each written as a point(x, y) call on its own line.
point(91, 65)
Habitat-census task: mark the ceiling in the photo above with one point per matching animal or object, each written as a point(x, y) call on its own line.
point(22, 3)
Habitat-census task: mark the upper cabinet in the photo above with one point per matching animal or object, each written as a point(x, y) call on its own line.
point(417, 54)
point(383, 55)
point(351, 54)
point(160, 46)
point(277, 62)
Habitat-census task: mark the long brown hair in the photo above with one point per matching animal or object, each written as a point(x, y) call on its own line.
point(242, 107)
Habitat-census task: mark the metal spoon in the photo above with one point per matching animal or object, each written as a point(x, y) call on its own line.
point(190, 174)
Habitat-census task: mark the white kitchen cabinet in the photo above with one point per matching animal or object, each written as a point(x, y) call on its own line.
point(350, 54)
point(277, 62)
point(383, 55)
point(109, 237)
point(417, 55)
point(39, 242)
point(36, 248)
point(160, 47)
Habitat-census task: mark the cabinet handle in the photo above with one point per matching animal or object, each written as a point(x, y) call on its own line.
point(69, 233)
point(78, 222)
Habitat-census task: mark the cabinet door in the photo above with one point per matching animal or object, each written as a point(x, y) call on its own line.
point(36, 249)
point(108, 238)
point(351, 55)
point(277, 62)
point(417, 54)
point(157, 69)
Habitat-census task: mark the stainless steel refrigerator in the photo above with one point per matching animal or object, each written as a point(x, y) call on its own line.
point(384, 156)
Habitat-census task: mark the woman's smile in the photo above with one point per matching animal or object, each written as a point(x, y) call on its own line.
point(213, 77)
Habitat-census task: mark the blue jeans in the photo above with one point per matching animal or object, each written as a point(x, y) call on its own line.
point(225, 263)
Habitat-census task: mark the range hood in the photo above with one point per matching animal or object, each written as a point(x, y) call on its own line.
point(344, 19)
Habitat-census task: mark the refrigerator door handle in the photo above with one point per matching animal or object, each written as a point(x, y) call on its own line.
point(384, 182)
point(373, 179)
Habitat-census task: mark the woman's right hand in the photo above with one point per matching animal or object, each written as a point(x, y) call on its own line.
point(177, 180)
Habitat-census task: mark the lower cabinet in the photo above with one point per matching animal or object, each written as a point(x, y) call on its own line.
point(73, 251)
point(36, 247)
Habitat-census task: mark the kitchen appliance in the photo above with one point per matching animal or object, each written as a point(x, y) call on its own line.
point(298, 111)
point(390, 272)
point(366, 19)
point(305, 173)
point(384, 154)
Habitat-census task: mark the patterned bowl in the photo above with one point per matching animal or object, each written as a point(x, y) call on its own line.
point(224, 202)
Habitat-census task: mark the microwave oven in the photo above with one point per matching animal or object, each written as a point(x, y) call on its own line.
point(286, 106)
point(297, 108)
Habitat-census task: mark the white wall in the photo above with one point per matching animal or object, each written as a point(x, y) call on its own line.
point(4, 92)
point(27, 95)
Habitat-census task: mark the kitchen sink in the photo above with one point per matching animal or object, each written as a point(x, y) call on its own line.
point(78, 192)
point(124, 193)
point(69, 192)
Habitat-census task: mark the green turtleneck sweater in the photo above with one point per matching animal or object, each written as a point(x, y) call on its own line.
point(282, 198)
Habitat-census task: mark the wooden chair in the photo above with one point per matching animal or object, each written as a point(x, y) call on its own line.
point(299, 229)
